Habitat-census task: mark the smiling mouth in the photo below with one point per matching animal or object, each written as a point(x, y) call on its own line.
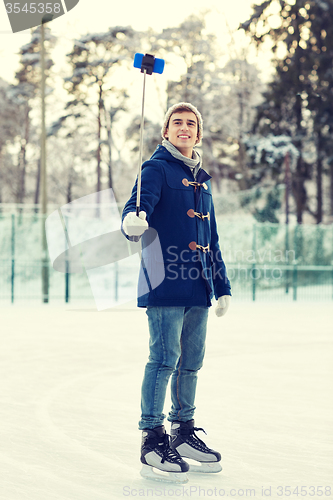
point(184, 137)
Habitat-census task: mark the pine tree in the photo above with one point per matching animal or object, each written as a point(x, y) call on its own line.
point(318, 59)
point(244, 92)
point(303, 82)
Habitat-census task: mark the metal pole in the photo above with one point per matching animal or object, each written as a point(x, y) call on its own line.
point(141, 145)
point(13, 258)
point(116, 279)
point(67, 283)
point(45, 270)
point(295, 276)
point(287, 183)
point(254, 248)
point(67, 274)
point(287, 192)
point(332, 261)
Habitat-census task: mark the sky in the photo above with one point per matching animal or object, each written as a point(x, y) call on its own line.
point(99, 15)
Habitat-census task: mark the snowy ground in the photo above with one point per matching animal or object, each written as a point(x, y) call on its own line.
point(70, 396)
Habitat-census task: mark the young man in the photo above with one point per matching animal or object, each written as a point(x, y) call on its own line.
point(176, 201)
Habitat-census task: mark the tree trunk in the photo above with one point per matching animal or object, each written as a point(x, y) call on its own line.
point(319, 179)
point(99, 121)
point(37, 184)
point(207, 146)
point(331, 188)
point(108, 128)
point(69, 190)
point(299, 178)
point(0, 177)
point(299, 191)
point(23, 156)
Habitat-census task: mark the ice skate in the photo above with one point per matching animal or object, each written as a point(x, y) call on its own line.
point(186, 442)
point(160, 461)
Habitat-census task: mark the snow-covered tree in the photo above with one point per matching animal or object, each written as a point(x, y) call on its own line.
point(267, 154)
point(94, 58)
point(8, 130)
point(67, 180)
point(152, 136)
point(299, 101)
point(24, 95)
point(271, 160)
point(244, 90)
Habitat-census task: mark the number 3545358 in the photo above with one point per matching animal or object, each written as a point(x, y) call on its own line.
point(33, 8)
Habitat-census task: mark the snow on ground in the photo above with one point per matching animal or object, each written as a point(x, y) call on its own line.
point(70, 397)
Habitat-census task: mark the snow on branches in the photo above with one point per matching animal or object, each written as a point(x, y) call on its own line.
point(271, 149)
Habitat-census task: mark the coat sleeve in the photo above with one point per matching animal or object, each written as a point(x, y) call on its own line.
point(152, 179)
point(220, 279)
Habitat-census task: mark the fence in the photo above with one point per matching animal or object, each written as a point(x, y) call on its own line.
point(264, 262)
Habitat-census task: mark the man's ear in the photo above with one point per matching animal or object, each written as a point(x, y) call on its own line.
point(165, 134)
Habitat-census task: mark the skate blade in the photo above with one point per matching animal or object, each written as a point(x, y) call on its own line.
point(205, 467)
point(149, 472)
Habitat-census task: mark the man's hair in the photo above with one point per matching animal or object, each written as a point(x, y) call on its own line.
point(180, 108)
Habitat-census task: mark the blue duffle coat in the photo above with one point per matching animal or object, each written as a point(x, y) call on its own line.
point(183, 216)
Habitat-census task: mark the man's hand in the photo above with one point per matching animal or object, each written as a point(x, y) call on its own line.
point(222, 305)
point(133, 225)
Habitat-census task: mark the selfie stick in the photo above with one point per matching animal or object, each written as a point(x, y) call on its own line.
point(148, 65)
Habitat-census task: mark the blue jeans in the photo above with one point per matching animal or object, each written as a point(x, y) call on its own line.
point(177, 348)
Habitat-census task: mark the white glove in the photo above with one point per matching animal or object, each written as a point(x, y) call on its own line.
point(222, 305)
point(133, 225)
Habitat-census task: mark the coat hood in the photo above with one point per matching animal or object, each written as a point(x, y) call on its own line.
point(161, 153)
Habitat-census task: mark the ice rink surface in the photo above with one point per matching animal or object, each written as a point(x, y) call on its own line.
point(70, 403)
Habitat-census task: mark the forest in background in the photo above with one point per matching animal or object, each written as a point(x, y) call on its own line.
point(260, 138)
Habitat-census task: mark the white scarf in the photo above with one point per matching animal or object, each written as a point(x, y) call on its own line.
point(193, 163)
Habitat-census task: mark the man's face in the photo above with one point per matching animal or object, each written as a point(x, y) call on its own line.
point(182, 131)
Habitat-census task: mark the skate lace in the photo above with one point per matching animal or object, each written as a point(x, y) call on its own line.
point(167, 452)
point(196, 441)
